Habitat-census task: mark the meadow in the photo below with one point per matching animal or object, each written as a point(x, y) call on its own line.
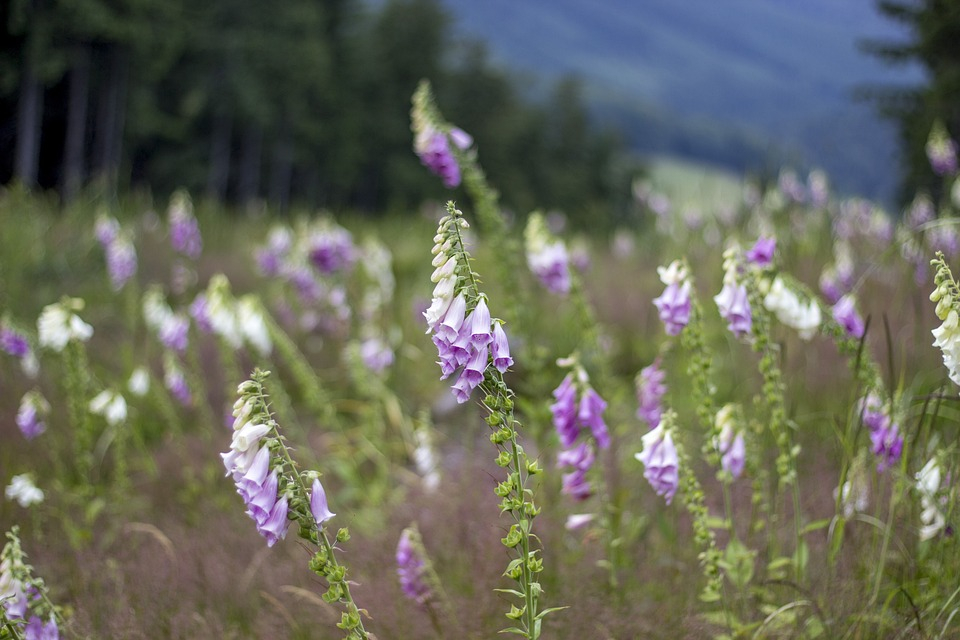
point(726, 420)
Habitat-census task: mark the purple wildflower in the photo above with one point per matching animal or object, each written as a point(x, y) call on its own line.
point(761, 254)
point(941, 151)
point(732, 452)
point(14, 343)
point(480, 333)
point(174, 332)
point(650, 392)
point(106, 229)
point(674, 307)
point(735, 308)
point(176, 383)
point(500, 349)
point(435, 154)
point(565, 411)
point(33, 407)
point(845, 314)
point(551, 264)
point(200, 311)
point(659, 457)
point(37, 630)
point(590, 414)
point(576, 485)
point(318, 503)
point(885, 438)
point(411, 569)
point(376, 354)
point(580, 457)
point(184, 230)
point(121, 262)
point(332, 250)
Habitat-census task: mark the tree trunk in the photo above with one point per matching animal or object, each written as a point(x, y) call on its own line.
point(249, 184)
point(73, 154)
point(282, 170)
point(29, 123)
point(110, 120)
point(219, 170)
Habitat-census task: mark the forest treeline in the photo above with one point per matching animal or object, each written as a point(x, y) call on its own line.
point(300, 101)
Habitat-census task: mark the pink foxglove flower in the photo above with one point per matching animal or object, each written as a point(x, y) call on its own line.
point(761, 253)
point(184, 230)
point(735, 308)
point(845, 314)
point(650, 392)
point(318, 503)
point(411, 569)
point(941, 151)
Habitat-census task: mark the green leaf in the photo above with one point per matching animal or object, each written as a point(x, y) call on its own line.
point(815, 526)
point(550, 610)
point(512, 592)
point(519, 632)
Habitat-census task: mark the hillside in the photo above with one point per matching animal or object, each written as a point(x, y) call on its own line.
point(747, 83)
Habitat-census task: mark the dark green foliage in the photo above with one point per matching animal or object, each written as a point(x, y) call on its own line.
point(305, 101)
point(934, 27)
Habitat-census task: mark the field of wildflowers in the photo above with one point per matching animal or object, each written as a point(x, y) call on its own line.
point(730, 420)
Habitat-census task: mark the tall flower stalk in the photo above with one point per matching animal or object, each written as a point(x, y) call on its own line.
point(466, 336)
point(276, 492)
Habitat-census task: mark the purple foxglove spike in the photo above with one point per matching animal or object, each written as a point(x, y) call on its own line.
point(275, 527)
point(734, 456)
point(318, 503)
point(590, 414)
point(200, 313)
point(650, 392)
point(480, 325)
point(449, 328)
point(576, 486)
point(761, 254)
point(501, 349)
point(462, 349)
point(121, 262)
point(735, 309)
point(410, 569)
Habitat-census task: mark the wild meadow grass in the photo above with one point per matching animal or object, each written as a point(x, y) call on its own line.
point(727, 420)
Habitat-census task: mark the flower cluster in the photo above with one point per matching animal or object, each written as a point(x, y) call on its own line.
point(235, 321)
point(885, 438)
point(58, 325)
point(33, 409)
point(254, 469)
point(651, 388)
point(659, 458)
point(16, 344)
point(23, 597)
point(547, 255)
point(837, 278)
point(111, 405)
point(184, 231)
point(172, 329)
point(412, 567)
point(330, 249)
point(119, 250)
point(732, 299)
point(947, 335)
point(674, 303)
point(578, 410)
point(464, 336)
point(804, 316)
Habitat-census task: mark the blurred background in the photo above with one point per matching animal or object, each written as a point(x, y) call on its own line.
point(306, 102)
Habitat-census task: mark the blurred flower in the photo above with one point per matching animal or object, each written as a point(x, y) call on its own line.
point(547, 255)
point(803, 316)
point(175, 381)
point(110, 405)
point(121, 261)
point(845, 314)
point(928, 484)
point(174, 332)
point(22, 489)
point(650, 391)
point(37, 630)
point(425, 460)
point(271, 257)
point(674, 306)
point(253, 325)
point(106, 229)
point(729, 443)
point(184, 231)
point(376, 354)
point(941, 150)
point(33, 408)
point(58, 325)
point(578, 520)
point(331, 249)
point(411, 567)
point(659, 458)
point(735, 308)
point(139, 383)
point(13, 342)
point(886, 441)
point(761, 253)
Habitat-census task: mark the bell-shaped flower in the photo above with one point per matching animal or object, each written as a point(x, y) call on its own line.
point(275, 526)
point(449, 328)
point(674, 307)
point(500, 350)
point(590, 414)
point(318, 503)
point(480, 334)
point(659, 457)
point(564, 411)
point(845, 314)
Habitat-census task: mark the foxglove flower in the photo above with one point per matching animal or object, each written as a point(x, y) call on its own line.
point(885, 439)
point(271, 258)
point(253, 324)
point(845, 314)
point(121, 261)
point(928, 484)
point(659, 458)
point(735, 308)
point(14, 343)
point(564, 411)
point(139, 382)
point(941, 151)
point(110, 405)
point(547, 256)
point(500, 349)
point(318, 503)
point(805, 317)
point(174, 332)
point(729, 443)
point(23, 490)
point(578, 520)
point(175, 381)
point(36, 629)
point(106, 229)
point(33, 409)
point(590, 414)
point(58, 325)
point(425, 459)
point(761, 253)
point(650, 392)
point(331, 249)
point(411, 568)
point(184, 231)
point(674, 303)
point(376, 354)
